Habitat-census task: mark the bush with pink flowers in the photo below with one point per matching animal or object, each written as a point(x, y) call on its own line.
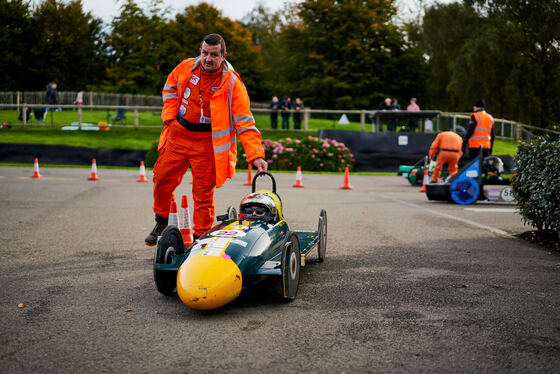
point(311, 153)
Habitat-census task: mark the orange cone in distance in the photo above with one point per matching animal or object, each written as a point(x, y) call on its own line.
point(36, 173)
point(425, 181)
point(142, 177)
point(299, 182)
point(172, 220)
point(93, 176)
point(346, 185)
point(185, 222)
point(249, 177)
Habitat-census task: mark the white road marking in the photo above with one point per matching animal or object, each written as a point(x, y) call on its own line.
point(492, 210)
point(464, 220)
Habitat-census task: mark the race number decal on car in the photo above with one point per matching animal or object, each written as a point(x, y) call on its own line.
point(228, 233)
point(216, 247)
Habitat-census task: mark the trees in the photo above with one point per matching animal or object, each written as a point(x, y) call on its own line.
point(137, 45)
point(188, 29)
point(70, 49)
point(56, 41)
point(348, 54)
point(17, 34)
point(506, 51)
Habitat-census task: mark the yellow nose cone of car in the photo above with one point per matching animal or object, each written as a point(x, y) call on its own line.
point(208, 282)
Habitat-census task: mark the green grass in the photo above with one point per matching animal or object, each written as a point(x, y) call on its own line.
point(505, 147)
point(142, 138)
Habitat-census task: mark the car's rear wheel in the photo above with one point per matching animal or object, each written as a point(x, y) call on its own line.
point(291, 266)
point(169, 245)
point(322, 229)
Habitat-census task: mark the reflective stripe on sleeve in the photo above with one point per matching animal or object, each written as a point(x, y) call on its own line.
point(221, 133)
point(242, 130)
point(224, 147)
point(238, 119)
point(169, 87)
point(170, 96)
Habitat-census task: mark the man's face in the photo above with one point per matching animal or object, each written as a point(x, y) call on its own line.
point(212, 57)
point(255, 210)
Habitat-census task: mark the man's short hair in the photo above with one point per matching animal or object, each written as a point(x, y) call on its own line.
point(215, 39)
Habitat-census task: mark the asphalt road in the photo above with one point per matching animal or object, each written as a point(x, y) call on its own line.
point(408, 285)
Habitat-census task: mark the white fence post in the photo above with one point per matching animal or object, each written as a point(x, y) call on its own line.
point(24, 115)
point(363, 120)
point(306, 112)
point(135, 117)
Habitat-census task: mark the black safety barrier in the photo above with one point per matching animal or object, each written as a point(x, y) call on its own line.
point(62, 155)
point(385, 151)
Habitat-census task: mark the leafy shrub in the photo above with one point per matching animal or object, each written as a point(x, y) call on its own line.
point(311, 153)
point(152, 155)
point(537, 183)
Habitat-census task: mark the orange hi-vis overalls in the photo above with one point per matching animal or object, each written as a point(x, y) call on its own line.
point(450, 151)
point(211, 152)
point(482, 134)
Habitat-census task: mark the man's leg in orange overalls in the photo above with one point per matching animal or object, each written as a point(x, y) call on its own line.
point(437, 169)
point(171, 166)
point(453, 163)
point(201, 158)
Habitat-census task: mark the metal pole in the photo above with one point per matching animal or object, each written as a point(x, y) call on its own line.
point(24, 115)
point(79, 118)
point(454, 123)
point(135, 117)
point(306, 113)
point(363, 120)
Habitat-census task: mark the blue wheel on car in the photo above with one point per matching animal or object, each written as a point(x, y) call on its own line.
point(464, 190)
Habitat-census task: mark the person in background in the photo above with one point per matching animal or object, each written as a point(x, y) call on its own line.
point(205, 107)
point(450, 147)
point(392, 122)
point(286, 106)
point(51, 97)
point(298, 107)
point(412, 107)
point(480, 132)
point(274, 106)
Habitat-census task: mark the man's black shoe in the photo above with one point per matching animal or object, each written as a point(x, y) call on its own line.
point(161, 224)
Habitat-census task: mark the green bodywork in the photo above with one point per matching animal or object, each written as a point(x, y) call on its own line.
point(255, 247)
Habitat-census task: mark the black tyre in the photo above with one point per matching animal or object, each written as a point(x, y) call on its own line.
point(169, 245)
point(291, 266)
point(322, 229)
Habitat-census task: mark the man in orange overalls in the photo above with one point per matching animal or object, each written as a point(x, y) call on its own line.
point(205, 106)
point(479, 133)
point(450, 151)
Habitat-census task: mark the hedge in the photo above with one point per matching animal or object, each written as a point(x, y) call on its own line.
point(537, 183)
point(311, 153)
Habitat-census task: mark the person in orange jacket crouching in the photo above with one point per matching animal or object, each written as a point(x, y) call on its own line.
point(450, 151)
point(205, 107)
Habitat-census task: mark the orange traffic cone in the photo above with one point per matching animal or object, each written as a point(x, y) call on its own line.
point(425, 180)
point(142, 177)
point(185, 222)
point(93, 176)
point(172, 220)
point(299, 182)
point(346, 185)
point(36, 173)
point(249, 176)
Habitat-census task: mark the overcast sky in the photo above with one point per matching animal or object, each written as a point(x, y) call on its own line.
point(234, 9)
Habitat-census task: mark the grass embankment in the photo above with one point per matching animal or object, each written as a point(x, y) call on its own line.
point(143, 138)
